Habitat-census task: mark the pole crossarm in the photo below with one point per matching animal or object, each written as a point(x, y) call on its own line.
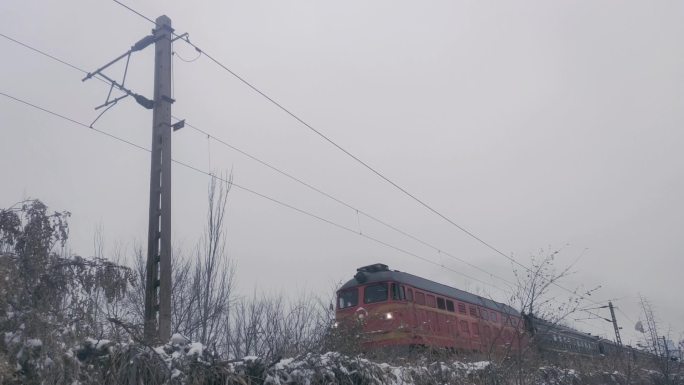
point(143, 101)
point(138, 46)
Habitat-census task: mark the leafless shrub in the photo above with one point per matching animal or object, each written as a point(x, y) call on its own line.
point(272, 327)
point(532, 297)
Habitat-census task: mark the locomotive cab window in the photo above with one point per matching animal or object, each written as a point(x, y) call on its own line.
point(440, 303)
point(398, 293)
point(450, 305)
point(348, 298)
point(375, 293)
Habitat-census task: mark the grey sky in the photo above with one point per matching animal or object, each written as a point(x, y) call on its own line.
point(535, 124)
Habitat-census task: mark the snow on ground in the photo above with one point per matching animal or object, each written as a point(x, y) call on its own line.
point(183, 362)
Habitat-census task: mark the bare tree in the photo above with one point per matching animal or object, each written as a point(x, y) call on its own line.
point(272, 327)
point(656, 343)
point(532, 296)
point(214, 272)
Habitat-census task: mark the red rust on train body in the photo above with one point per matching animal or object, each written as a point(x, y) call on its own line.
point(398, 309)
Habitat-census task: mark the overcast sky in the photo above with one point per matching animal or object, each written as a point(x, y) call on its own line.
point(537, 125)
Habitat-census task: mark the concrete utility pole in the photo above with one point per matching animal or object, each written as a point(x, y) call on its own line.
point(158, 280)
point(615, 325)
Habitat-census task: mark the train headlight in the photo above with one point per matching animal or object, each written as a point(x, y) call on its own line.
point(335, 325)
point(388, 316)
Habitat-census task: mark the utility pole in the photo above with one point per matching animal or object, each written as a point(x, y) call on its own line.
point(158, 276)
point(158, 280)
point(615, 325)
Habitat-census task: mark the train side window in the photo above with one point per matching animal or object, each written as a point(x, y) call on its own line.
point(492, 316)
point(461, 308)
point(430, 300)
point(375, 293)
point(440, 303)
point(484, 314)
point(476, 329)
point(464, 327)
point(420, 298)
point(409, 295)
point(450, 305)
point(473, 311)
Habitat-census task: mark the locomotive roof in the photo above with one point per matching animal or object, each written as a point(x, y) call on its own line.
point(383, 275)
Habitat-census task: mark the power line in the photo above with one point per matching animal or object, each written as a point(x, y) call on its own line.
point(74, 121)
point(373, 170)
point(134, 11)
point(44, 53)
point(343, 203)
point(358, 160)
point(298, 180)
point(333, 143)
point(253, 192)
point(185, 38)
point(626, 316)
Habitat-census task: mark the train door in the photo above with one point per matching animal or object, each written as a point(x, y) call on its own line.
point(465, 335)
point(475, 336)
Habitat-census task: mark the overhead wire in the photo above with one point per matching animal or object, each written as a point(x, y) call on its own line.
point(251, 191)
point(134, 11)
point(292, 177)
point(343, 203)
point(626, 316)
point(186, 39)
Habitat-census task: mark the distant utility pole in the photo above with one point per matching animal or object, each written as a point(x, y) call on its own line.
point(158, 280)
point(615, 325)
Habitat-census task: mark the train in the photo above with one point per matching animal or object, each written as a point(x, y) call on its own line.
point(400, 310)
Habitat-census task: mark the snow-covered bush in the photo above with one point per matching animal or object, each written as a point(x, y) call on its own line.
point(47, 301)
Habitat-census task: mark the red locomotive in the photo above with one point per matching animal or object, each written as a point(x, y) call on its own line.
point(398, 309)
